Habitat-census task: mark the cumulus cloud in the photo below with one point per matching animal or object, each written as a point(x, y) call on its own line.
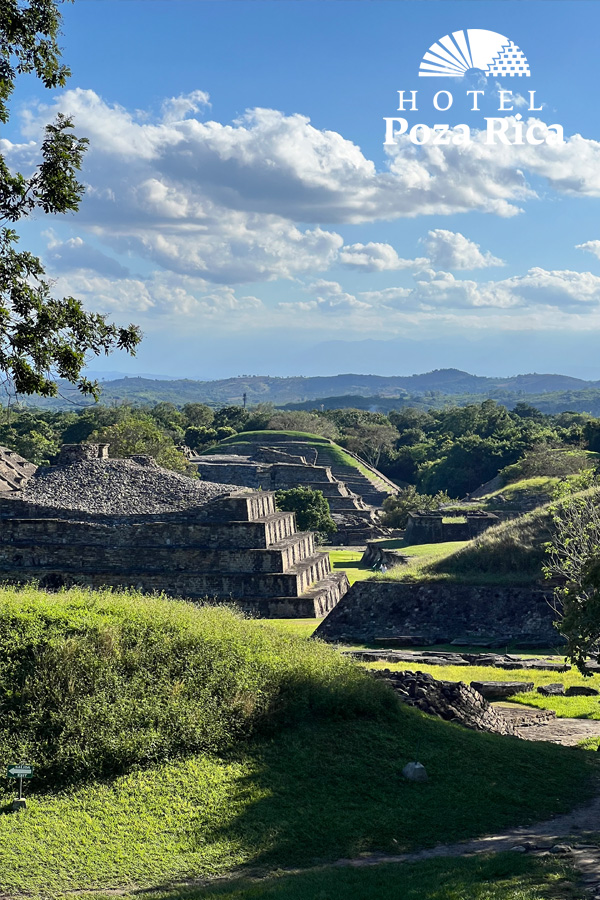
point(591, 247)
point(259, 198)
point(161, 294)
point(330, 298)
point(175, 109)
point(75, 253)
point(374, 257)
point(536, 289)
point(452, 250)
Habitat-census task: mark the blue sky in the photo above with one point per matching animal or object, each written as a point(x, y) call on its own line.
point(242, 208)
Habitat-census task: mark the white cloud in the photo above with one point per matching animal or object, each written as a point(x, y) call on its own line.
point(330, 298)
point(75, 253)
point(591, 247)
point(258, 199)
point(452, 250)
point(161, 294)
point(537, 289)
point(374, 257)
point(178, 108)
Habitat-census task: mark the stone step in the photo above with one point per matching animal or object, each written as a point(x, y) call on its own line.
point(316, 602)
point(195, 585)
point(20, 534)
point(280, 557)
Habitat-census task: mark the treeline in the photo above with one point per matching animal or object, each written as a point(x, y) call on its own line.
point(454, 449)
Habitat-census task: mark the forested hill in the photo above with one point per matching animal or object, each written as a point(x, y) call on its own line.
point(280, 391)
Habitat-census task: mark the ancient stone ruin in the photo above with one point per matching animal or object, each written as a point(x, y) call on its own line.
point(441, 612)
point(449, 700)
point(274, 469)
point(14, 471)
point(435, 527)
point(95, 521)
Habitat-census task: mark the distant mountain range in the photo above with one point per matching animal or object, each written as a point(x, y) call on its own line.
point(429, 389)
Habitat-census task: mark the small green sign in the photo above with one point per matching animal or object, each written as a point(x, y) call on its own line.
point(20, 771)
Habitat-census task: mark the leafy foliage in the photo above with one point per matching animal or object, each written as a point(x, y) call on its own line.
point(397, 507)
point(42, 338)
point(311, 508)
point(93, 684)
point(140, 435)
point(574, 560)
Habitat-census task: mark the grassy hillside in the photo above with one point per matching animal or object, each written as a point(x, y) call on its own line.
point(173, 742)
point(512, 552)
point(95, 684)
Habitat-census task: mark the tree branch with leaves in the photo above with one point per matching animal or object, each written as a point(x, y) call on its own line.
point(574, 565)
point(43, 338)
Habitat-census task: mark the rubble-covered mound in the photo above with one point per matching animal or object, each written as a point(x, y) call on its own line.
point(120, 487)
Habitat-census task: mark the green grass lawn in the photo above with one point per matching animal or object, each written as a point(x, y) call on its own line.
point(349, 561)
point(505, 876)
point(312, 793)
point(539, 484)
point(420, 557)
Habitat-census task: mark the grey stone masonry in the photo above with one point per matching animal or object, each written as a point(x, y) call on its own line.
point(273, 468)
point(224, 547)
point(442, 612)
point(450, 700)
point(15, 471)
point(430, 528)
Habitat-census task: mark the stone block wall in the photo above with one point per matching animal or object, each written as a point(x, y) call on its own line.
point(237, 548)
point(441, 612)
point(430, 528)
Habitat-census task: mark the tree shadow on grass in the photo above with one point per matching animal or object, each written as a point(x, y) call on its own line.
point(505, 876)
point(335, 789)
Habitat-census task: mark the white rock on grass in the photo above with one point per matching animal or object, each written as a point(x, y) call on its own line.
point(415, 771)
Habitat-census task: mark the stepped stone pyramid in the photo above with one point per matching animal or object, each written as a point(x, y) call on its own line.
point(235, 547)
point(351, 494)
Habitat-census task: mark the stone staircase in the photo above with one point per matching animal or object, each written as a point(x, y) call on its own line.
point(15, 471)
point(237, 549)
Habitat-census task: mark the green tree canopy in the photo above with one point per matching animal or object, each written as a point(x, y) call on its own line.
point(311, 508)
point(42, 338)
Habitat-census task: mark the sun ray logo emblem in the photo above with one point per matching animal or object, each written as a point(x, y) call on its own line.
point(473, 48)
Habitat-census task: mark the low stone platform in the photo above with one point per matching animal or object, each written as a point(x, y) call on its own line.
point(443, 612)
point(532, 724)
point(444, 658)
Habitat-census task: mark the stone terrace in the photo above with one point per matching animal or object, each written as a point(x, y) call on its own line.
point(74, 526)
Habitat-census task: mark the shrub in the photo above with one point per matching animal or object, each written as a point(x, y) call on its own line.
point(93, 684)
point(311, 508)
point(546, 461)
point(397, 507)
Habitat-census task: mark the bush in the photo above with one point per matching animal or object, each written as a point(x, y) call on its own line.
point(311, 508)
point(93, 684)
point(546, 461)
point(397, 507)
